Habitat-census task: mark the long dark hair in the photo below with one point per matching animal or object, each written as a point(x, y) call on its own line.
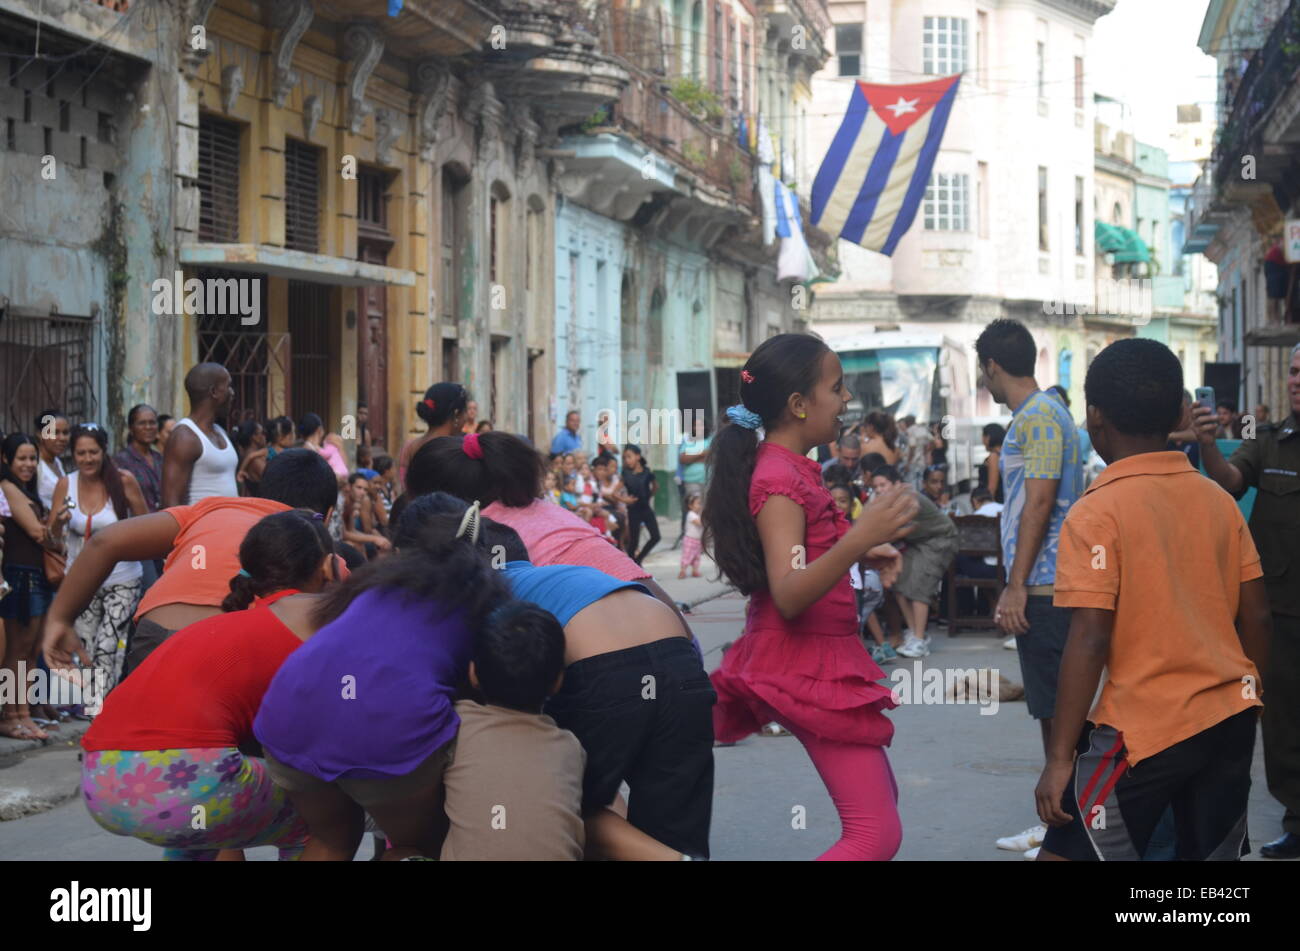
point(309, 423)
point(281, 551)
point(510, 471)
point(451, 575)
point(8, 450)
point(108, 470)
point(883, 423)
point(780, 367)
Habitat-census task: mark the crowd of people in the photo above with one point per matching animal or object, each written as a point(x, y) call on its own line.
point(462, 650)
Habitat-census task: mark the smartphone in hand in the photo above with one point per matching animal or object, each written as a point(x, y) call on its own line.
point(1205, 397)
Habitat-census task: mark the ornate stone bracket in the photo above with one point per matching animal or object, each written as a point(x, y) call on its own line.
point(362, 46)
point(196, 14)
point(485, 111)
point(232, 84)
point(312, 110)
point(433, 80)
point(388, 129)
point(291, 18)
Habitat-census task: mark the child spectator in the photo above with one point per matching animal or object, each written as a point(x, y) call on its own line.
point(514, 782)
point(930, 548)
point(692, 545)
point(1168, 598)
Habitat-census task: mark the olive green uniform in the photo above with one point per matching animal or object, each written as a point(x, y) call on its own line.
point(1271, 464)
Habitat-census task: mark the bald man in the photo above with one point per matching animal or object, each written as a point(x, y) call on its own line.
point(200, 460)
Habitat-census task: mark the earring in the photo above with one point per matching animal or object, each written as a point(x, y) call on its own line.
point(803, 415)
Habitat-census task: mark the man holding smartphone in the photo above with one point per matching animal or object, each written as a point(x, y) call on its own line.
point(1270, 463)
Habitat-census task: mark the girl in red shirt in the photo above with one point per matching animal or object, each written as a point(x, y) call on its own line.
point(166, 761)
point(777, 535)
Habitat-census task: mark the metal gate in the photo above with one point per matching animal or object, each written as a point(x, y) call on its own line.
point(48, 362)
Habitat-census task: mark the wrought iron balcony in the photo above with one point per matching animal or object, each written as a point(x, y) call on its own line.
point(1273, 69)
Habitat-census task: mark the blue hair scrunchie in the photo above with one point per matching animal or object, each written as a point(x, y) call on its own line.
point(741, 416)
point(244, 574)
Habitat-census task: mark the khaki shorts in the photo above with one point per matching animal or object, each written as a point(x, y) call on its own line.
point(367, 792)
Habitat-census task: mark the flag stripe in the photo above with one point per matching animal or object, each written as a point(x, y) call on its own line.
point(840, 203)
point(841, 148)
point(882, 172)
point(925, 164)
point(895, 190)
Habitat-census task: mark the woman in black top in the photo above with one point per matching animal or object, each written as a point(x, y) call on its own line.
point(641, 485)
point(989, 475)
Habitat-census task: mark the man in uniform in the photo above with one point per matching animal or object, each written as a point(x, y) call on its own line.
point(1270, 463)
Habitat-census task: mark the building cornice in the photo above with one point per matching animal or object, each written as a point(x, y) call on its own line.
point(1088, 10)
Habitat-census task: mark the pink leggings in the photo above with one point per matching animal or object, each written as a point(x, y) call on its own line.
point(862, 787)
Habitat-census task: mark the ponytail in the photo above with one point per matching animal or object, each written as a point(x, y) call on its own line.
point(779, 368)
point(281, 551)
point(505, 469)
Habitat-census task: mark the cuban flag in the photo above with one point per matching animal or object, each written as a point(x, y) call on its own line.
point(873, 178)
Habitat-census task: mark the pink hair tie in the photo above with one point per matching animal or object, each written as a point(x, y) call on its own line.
point(471, 446)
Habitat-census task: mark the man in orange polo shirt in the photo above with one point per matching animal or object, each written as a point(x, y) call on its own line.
point(1168, 597)
point(201, 544)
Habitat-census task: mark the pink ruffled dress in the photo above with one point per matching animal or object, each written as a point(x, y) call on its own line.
point(812, 671)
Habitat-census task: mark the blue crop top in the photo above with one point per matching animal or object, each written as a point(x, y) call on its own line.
point(564, 590)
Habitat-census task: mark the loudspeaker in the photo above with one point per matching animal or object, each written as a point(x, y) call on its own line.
point(1226, 380)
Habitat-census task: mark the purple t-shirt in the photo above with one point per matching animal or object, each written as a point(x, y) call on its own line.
point(370, 696)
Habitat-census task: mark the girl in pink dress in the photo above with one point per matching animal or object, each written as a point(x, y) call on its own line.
point(776, 534)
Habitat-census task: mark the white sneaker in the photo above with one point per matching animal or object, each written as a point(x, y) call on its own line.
point(1032, 854)
point(913, 646)
point(1010, 644)
point(1030, 838)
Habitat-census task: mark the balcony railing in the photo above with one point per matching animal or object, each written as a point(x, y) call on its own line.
point(1272, 69)
point(701, 138)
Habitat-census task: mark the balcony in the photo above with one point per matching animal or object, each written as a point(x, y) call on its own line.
point(692, 131)
point(1270, 79)
point(783, 16)
point(422, 27)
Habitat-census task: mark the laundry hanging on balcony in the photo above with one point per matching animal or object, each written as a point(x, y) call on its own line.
point(766, 181)
point(875, 173)
point(794, 261)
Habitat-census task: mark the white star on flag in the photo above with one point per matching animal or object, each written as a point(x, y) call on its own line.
point(903, 105)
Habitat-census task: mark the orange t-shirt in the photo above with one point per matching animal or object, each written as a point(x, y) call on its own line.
point(205, 555)
point(1167, 550)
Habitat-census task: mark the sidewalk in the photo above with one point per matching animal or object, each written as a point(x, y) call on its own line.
point(665, 561)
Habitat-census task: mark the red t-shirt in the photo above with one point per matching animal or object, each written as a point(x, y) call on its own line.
point(205, 555)
point(201, 688)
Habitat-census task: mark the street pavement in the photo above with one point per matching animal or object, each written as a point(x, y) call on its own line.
point(965, 775)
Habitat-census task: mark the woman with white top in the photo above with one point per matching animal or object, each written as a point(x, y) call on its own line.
point(102, 494)
point(51, 444)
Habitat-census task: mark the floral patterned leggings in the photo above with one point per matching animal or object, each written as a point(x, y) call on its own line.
point(191, 802)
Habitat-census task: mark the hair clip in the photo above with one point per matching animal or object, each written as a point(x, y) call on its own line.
point(471, 446)
point(742, 416)
point(470, 521)
point(430, 403)
point(318, 516)
point(244, 574)
point(747, 376)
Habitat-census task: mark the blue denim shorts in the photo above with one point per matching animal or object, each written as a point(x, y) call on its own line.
point(31, 595)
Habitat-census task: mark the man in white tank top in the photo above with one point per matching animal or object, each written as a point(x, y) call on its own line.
point(200, 459)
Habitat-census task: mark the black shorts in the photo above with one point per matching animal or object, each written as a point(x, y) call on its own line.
point(645, 715)
point(1205, 778)
point(1040, 653)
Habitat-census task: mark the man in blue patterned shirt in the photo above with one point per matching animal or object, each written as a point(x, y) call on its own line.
point(1042, 473)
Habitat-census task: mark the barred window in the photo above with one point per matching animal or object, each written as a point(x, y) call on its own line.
point(944, 50)
point(947, 202)
point(301, 196)
point(218, 180)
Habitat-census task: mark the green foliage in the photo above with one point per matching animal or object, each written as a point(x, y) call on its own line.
point(703, 103)
point(597, 119)
point(694, 154)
